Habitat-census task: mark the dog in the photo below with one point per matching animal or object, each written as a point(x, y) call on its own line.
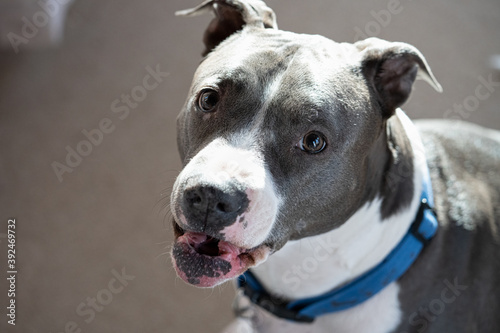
point(304, 181)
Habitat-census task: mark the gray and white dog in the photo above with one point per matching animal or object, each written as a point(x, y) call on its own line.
point(299, 164)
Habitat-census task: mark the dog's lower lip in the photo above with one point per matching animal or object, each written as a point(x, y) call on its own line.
point(205, 261)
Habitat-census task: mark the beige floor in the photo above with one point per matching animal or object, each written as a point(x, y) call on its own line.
point(107, 215)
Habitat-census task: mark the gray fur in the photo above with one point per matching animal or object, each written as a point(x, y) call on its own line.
point(463, 160)
point(351, 98)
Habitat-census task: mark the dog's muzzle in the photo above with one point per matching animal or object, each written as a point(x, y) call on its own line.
point(224, 207)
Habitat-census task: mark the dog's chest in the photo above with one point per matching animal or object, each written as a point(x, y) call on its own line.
point(380, 314)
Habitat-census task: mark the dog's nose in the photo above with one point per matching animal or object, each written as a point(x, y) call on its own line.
point(209, 207)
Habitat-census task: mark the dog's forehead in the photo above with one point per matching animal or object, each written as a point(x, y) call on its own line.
point(261, 54)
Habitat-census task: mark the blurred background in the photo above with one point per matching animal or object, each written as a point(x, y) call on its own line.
point(89, 93)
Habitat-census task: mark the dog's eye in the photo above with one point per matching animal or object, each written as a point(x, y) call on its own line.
point(208, 100)
point(313, 142)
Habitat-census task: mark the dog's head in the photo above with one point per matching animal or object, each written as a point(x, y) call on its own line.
point(282, 136)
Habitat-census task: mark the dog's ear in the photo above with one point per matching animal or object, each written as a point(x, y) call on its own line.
point(391, 68)
point(230, 17)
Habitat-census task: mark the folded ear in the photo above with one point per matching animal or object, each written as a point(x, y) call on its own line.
point(230, 17)
point(391, 68)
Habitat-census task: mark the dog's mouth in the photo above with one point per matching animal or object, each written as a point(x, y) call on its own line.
point(205, 261)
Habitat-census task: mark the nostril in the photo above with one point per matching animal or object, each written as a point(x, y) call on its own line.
point(227, 207)
point(221, 207)
point(193, 198)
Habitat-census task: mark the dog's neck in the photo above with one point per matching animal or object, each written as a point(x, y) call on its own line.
point(315, 265)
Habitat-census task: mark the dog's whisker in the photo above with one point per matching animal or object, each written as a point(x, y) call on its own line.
point(162, 254)
point(166, 242)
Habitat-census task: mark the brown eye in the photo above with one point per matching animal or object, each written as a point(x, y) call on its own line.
point(313, 142)
point(208, 100)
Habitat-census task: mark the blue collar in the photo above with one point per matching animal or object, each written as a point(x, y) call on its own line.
point(362, 288)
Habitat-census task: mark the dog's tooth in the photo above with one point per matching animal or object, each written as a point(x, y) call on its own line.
point(227, 256)
point(228, 248)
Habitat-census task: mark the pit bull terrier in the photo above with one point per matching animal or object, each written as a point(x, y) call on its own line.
point(305, 180)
